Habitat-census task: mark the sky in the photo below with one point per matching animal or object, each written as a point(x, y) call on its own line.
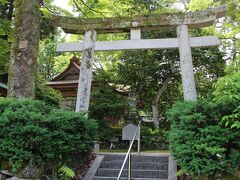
point(63, 4)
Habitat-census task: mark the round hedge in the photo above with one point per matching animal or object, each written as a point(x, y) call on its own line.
point(32, 131)
point(199, 140)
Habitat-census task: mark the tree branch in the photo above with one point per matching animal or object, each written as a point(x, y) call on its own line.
point(44, 5)
point(161, 90)
point(91, 8)
point(77, 6)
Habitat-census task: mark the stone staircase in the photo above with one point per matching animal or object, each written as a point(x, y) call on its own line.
point(144, 167)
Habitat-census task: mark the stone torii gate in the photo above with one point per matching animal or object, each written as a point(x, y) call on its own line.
point(180, 21)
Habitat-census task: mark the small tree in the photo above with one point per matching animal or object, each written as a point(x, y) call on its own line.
point(227, 92)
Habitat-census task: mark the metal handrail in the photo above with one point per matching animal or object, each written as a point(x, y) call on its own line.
point(128, 155)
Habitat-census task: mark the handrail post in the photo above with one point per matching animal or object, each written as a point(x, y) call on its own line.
point(139, 138)
point(129, 167)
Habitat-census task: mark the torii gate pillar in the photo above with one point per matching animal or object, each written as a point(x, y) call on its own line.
point(188, 81)
point(85, 77)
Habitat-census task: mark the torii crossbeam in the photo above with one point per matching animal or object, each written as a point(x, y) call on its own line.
point(135, 25)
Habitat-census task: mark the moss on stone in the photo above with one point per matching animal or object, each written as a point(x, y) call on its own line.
point(124, 24)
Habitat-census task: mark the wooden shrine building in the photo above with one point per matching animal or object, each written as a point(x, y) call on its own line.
point(67, 83)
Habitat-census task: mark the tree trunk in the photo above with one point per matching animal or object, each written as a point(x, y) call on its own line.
point(155, 101)
point(21, 83)
point(155, 114)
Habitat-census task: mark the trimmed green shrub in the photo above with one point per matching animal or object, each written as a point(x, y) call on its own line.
point(32, 131)
point(200, 142)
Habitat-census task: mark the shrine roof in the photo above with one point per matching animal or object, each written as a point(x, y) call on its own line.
point(69, 77)
point(196, 19)
point(62, 82)
point(72, 69)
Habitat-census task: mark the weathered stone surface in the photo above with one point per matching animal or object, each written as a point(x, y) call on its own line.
point(4, 174)
point(3, 177)
point(85, 78)
point(94, 167)
point(144, 167)
point(172, 168)
point(152, 22)
point(129, 131)
point(29, 172)
point(167, 43)
point(14, 178)
point(188, 81)
point(135, 34)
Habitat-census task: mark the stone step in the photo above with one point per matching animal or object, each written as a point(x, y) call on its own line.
point(135, 165)
point(114, 178)
point(160, 174)
point(137, 158)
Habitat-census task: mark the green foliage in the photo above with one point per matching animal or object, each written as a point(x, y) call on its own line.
point(6, 9)
point(233, 119)
point(49, 62)
point(101, 8)
point(228, 89)
point(151, 139)
point(47, 48)
point(32, 131)
point(47, 94)
point(195, 5)
point(200, 142)
point(107, 103)
point(229, 32)
point(65, 172)
point(108, 134)
point(227, 92)
point(145, 71)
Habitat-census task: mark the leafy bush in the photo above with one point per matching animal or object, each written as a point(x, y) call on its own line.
point(32, 131)
point(66, 173)
point(107, 103)
point(153, 139)
point(200, 142)
point(227, 92)
point(108, 134)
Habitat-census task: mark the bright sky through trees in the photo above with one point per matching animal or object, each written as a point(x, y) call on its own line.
point(63, 4)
